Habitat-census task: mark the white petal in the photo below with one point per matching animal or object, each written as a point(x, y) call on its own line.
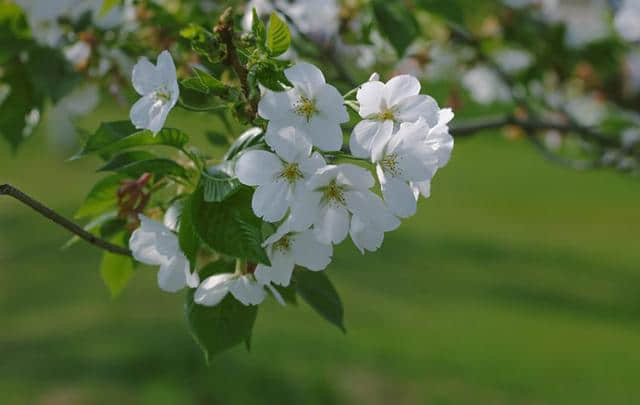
point(355, 177)
point(152, 243)
point(309, 166)
point(369, 138)
point(247, 290)
point(370, 208)
point(305, 209)
point(365, 236)
point(277, 105)
point(421, 188)
point(370, 97)
point(332, 224)
point(294, 146)
point(305, 77)
point(172, 274)
point(411, 108)
point(324, 134)
point(213, 289)
point(270, 200)
point(145, 77)
point(400, 87)
point(277, 139)
point(256, 167)
point(166, 67)
point(171, 218)
point(323, 176)
point(330, 104)
point(310, 253)
point(398, 196)
point(282, 265)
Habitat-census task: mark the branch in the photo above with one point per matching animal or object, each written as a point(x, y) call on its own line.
point(7, 189)
point(225, 29)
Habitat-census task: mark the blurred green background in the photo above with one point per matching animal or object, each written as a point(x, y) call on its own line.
point(516, 283)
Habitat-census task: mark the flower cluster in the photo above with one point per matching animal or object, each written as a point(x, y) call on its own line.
point(302, 184)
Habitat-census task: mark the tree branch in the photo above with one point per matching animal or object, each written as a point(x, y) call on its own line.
point(7, 189)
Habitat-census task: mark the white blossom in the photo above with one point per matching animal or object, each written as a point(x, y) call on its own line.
point(312, 107)
point(158, 87)
point(244, 288)
point(627, 21)
point(337, 193)
point(286, 249)
point(383, 107)
point(485, 86)
point(154, 244)
point(409, 157)
point(281, 178)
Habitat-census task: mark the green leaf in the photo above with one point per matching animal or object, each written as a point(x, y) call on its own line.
point(318, 291)
point(229, 227)
point(251, 137)
point(126, 158)
point(218, 186)
point(116, 270)
point(50, 72)
point(278, 36)
point(116, 136)
point(216, 138)
point(258, 28)
point(288, 294)
point(222, 327)
point(107, 5)
point(102, 197)
point(450, 10)
point(204, 83)
point(187, 236)
point(160, 167)
point(396, 23)
point(22, 97)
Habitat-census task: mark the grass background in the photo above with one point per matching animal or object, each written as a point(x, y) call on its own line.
point(516, 283)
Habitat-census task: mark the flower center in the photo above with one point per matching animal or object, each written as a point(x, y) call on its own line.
point(334, 193)
point(291, 173)
point(390, 165)
point(305, 107)
point(385, 115)
point(284, 244)
point(163, 94)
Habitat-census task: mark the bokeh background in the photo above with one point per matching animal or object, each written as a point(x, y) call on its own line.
point(517, 282)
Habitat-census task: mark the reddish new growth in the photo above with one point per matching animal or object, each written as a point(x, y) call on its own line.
point(133, 196)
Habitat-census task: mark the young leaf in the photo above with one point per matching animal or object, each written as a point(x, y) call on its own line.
point(229, 227)
point(116, 270)
point(102, 197)
point(219, 328)
point(249, 138)
point(317, 290)
point(116, 136)
point(107, 5)
point(278, 36)
point(126, 158)
point(204, 83)
point(396, 23)
point(159, 167)
point(218, 186)
point(258, 28)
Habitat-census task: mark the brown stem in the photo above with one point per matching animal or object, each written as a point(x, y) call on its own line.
point(225, 29)
point(7, 189)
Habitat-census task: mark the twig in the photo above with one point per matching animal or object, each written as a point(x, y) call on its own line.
point(7, 189)
point(225, 29)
